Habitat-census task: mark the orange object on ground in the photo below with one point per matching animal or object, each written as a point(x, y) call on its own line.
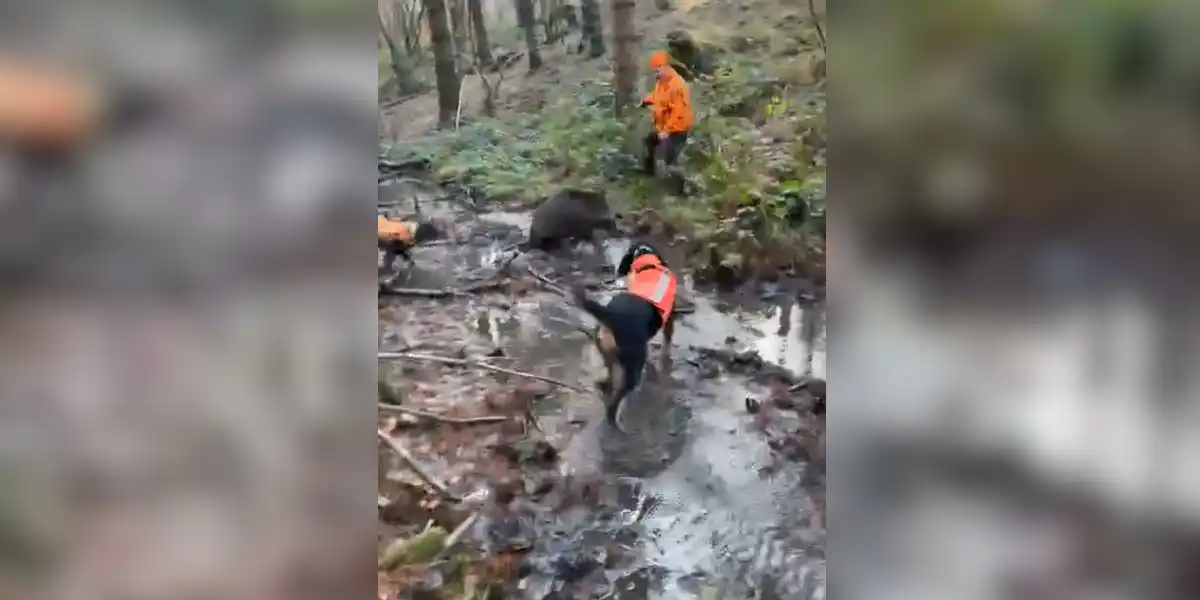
point(650, 279)
point(45, 109)
point(394, 231)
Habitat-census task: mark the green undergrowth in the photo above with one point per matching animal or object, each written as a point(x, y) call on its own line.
point(755, 163)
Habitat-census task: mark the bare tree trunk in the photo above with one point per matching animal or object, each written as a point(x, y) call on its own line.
point(416, 28)
point(442, 41)
point(483, 47)
point(527, 21)
point(458, 26)
point(593, 30)
point(625, 38)
point(401, 65)
point(407, 17)
point(545, 17)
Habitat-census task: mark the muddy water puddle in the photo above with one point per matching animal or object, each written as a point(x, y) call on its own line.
point(689, 451)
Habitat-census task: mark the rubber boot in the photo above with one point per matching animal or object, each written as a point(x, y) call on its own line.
point(648, 164)
point(676, 182)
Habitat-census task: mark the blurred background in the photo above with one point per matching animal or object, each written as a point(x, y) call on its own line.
point(185, 189)
point(1012, 270)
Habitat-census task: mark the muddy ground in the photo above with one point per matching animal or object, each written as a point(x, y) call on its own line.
point(715, 491)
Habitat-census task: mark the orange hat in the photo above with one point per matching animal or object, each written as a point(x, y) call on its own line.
point(658, 59)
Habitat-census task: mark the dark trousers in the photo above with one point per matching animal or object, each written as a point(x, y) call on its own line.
point(670, 148)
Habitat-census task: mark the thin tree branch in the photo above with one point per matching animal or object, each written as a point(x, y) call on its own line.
point(442, 293)
point(412, 463)
point(441, 418)
point(472, 363)
point(457, 534)
point(546, 281)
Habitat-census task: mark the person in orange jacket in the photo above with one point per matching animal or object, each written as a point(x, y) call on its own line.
point(671, 108)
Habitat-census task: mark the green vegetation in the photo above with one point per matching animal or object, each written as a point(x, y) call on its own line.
point(321, 12)
point(755, 162)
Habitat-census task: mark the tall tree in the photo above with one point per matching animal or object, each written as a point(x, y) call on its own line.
point(625, 39)
point(483, 47)
point(458, 27)
point(402, 67)
point(407, 16)
point(442, 41)
point(527, 20)
point(593, 29)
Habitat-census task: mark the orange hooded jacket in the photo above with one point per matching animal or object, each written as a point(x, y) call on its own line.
point(670, 102)
point(649, 279)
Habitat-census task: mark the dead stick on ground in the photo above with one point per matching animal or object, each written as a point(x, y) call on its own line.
point(457, 534)
point(442, 419)
point(472, 363)
point(412, 463)
point(442, 293)
point(549, 283)
point(422, 293)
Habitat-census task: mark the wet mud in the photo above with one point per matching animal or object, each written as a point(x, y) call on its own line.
point(715, 490)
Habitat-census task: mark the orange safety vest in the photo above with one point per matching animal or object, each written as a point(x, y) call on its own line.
point(390, 230)
point(649, 279)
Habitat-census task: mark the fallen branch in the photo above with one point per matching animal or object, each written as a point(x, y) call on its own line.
point(401, 100)
point(412, 463)
point(442, 293)
point(472, 363)
point(420, 292)
point(549, 283)
point(456, 535)
point(443, 419)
